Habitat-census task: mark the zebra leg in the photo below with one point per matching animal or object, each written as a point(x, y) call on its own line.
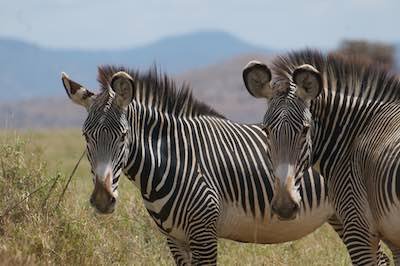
point(337, 225)
point(203, 246)
point(396, 255)
point(361, 244)
point(180, 252)
point(202, 231)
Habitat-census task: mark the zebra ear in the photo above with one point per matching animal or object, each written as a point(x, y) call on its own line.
point(257, 77)
point(122, 83)
point(308, 81)
point(77, 93)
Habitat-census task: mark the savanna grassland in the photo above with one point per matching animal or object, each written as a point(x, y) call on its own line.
point(37, 232)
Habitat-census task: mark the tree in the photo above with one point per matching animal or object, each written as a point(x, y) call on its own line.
point(370, 52)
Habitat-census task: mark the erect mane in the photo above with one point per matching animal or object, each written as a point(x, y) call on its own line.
point(347, 75)
point(159, 91)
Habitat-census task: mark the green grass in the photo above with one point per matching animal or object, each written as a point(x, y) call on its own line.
point(39, 234)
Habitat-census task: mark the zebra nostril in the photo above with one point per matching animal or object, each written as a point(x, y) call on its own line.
point(113, 200)
point(91, 201)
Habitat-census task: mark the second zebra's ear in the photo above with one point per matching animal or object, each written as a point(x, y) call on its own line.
point(308, 81)
point(257, 77)
point(122, 84)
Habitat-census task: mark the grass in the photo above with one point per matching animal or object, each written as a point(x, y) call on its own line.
point(38, 233)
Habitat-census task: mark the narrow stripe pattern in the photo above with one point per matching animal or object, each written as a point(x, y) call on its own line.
point(200, 175)
point(354, 141)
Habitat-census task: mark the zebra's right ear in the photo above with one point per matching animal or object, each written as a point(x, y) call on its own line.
point(257, 77)
point(308, 81)
point(77, 93)
point(122, 84)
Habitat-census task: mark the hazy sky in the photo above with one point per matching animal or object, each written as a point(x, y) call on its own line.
point(276, 24)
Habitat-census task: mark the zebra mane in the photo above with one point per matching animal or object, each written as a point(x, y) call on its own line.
point(347, 75)
point(159, 91)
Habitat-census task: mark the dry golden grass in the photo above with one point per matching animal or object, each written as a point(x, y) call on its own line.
point(75, 235)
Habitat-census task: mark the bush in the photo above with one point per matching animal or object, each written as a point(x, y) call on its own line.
point(369, 52)
point(23, 214)
point(37, 232)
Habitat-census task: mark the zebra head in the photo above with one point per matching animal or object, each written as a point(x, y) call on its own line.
point(107, 133)
point(288, 124)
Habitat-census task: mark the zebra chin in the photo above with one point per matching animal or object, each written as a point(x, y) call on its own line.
point(286, 213)
point(106, 206)
point(286, 201)
point(103, 199)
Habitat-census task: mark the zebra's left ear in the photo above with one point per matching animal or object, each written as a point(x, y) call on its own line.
point(308, 81)
point(122, 84)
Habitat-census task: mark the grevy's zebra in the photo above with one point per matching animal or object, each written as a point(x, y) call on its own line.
point(344, 117)
point(201, 176)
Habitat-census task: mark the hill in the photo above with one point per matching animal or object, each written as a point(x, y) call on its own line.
point(219, 85)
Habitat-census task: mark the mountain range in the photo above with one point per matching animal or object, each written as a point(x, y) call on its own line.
point(31, 71)
point(211, 62)
point(219, 85)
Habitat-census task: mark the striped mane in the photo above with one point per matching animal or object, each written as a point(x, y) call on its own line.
point(159, 91)
point(349, 76)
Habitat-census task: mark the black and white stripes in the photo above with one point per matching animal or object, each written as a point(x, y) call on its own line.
point(201, 176)
point(355, 141)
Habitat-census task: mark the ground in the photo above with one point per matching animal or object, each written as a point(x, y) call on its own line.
point(37, 232)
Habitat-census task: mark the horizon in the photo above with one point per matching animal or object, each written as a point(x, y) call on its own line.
point(144, 45)
point(183, 36)
point(76, 25)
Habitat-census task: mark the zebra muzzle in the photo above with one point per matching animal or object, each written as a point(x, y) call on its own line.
point(283, 203)
point(103, 198)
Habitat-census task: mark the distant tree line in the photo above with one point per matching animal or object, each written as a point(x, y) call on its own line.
point(370, 52)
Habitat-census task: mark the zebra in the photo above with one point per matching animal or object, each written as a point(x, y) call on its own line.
point(343, 117)
point(201, 176)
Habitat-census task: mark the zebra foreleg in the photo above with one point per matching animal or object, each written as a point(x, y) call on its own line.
point(203, 246)
point(395, 251)
point(396, 255)
point(337, 225)
point(361, 244)
point(180, 252)
point(202, 232)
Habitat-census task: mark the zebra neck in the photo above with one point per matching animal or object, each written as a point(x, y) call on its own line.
point(155, 149)
point(338, 120)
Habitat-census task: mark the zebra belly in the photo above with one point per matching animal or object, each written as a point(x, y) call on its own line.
point(235, 224)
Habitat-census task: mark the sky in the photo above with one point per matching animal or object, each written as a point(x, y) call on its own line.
point(279, 24)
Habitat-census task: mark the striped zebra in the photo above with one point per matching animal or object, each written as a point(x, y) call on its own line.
point(200, 175)
point(342, 116)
